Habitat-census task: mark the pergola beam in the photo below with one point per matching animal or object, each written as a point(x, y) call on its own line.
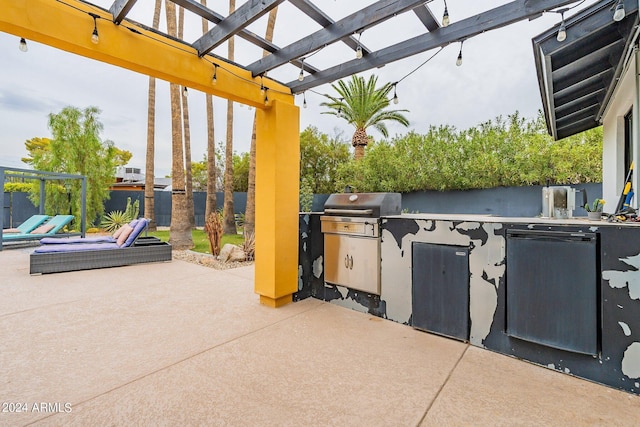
point(315, 13)
point(244, 16)
point(495, 18)
point(120, 8)
point(253, 38)
point(426, 17)
point(356, 22)
point(141, 50)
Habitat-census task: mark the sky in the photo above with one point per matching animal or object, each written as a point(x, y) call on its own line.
point(497, 77)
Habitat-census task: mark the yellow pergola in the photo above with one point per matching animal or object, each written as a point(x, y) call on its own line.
point(67, 26)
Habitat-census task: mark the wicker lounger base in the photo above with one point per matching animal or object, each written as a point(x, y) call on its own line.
point(58, 262)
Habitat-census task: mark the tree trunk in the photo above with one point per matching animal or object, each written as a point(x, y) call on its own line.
point(359, 141)
point(211, 205)
point(180, 229)
point(229, 219)
point(250, 212)
point(149, 201)
point(187, 138)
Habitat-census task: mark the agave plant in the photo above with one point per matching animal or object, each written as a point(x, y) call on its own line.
point(114, 220)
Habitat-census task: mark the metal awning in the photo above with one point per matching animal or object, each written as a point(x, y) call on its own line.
point(577, 76)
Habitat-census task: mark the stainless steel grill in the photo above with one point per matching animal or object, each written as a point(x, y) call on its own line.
point(351, 227)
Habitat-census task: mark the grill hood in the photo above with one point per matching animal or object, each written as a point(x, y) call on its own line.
point(364, 204)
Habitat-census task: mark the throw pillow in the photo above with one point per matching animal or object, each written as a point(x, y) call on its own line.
point(125, 233)
point(43, 229)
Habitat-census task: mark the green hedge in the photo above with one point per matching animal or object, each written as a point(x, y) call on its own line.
point(511, 152)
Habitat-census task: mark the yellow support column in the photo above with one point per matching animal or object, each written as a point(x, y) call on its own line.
point(277, 203)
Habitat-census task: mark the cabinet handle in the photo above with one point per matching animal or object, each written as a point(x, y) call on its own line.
point(351, 263)
point(346, 261)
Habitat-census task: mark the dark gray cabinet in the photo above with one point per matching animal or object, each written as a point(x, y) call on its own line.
point(552, 289)
point(440, 289)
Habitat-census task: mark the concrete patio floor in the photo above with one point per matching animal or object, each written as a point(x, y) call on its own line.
point(181, 344)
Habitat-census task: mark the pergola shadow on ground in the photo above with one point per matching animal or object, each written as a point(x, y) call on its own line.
point(43, 177)
point(182, 344)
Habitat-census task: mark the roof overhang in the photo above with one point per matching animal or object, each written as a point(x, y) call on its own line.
point(577, 76)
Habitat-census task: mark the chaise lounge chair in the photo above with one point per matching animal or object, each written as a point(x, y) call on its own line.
point(50, 228)
point(28, 226)
point(85, 254)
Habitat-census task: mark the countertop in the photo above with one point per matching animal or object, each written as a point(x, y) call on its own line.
point(581, 220)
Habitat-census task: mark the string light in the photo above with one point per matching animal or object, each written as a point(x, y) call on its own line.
point(459, 60)
point(263, 90)
point(185, 93)
point(266, 97)
point(395, 95)
point(214, 80)
point(359, 48)
point(619, 13)
point(562, 32)
point(301, 75)
point(23, 45)
point(95, 39)
point(304, 100)
point(445, 16)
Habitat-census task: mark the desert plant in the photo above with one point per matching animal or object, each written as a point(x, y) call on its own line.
point(249, 246)
point(114, 220)
point(132, 210)
point(213, 228)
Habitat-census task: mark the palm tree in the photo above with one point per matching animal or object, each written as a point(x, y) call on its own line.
point(229, 226)
point(180, 229)
point(187, 136)
point(149, 202)
point(363, 105)
point(250, 211)
point(211, 203)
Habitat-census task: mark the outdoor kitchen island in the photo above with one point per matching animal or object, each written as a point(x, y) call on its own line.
point(560, 293)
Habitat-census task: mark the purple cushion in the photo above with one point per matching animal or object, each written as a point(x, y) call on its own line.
point(56, 241)
point(76, 248)
point(140, 225)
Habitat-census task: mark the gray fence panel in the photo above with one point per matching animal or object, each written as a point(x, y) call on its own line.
point(162, 201)
point(501, 201)
point(17, 209)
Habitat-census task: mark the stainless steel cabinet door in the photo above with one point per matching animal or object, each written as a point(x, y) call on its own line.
point(353, 262)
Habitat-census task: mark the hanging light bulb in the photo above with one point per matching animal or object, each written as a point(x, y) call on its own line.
point(263, 90)
point(562, 32)
point(23, 45)
point(445, 16)
point(395, 95)
point(95, 39)
point(214, 80)
point(185, 92)
point(266, 98)
point(459, 60)
point(301, 75)
point(619, 13)
point(304, 100)
point(339, 111)
point(359, 52)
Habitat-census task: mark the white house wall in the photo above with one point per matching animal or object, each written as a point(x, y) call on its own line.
point(613, 169)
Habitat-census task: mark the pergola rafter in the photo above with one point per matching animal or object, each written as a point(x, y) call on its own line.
point(356, 22)
point(345, 31)
point(234, 23)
